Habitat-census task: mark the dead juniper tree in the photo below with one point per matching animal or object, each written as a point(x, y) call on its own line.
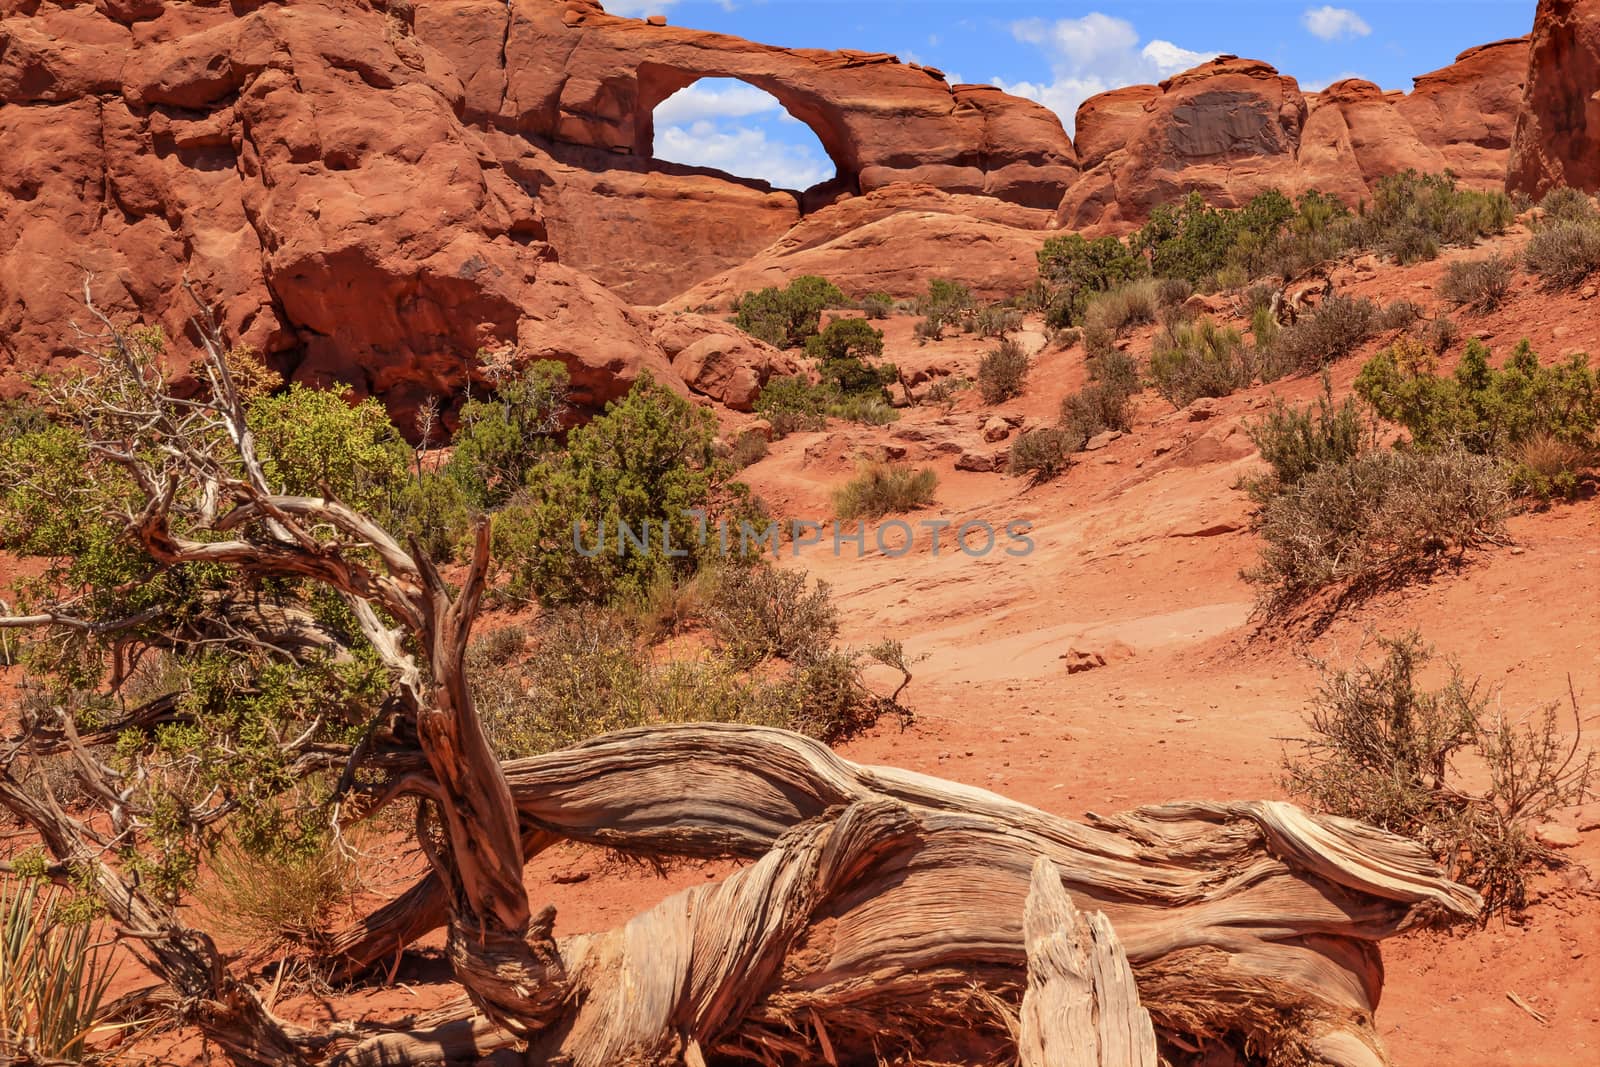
point(324, 678)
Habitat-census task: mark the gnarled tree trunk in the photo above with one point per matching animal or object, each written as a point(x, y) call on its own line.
point(1246, 923)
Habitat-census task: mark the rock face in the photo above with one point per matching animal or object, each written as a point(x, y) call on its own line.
point(307, 167)
point(1231, 128)
point(893, 241)
point(571, 73)
point(1557, 139)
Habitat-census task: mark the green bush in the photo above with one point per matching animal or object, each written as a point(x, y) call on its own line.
point(1564, 253)
point(1375, 521)
point(1002, 372)
point(1389, 753)
point(1199, 359)
point(502, 436)
point(880, 489)
point(1296, 442)
point(794, 404)
point(1334, 330)
point(1412, 215)
point(434, 510)
point(1488, 411)
point(845, 338)
point(1478, 284)
point(315, 443)
point(1044, 453)
point(787, 317)
point(643, 463)
point(1194, 242)
point(1074, 269)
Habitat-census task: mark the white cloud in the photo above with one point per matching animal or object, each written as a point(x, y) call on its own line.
point(744, 151)
point(1332, 23)
point(1092, 54)
point(701, 101)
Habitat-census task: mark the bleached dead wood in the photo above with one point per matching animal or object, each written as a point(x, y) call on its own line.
point(1245, 922)
point(1081, 1008)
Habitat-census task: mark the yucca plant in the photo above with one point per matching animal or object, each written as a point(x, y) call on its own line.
point(53, 975)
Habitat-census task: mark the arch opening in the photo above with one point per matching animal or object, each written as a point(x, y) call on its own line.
point(738, 127)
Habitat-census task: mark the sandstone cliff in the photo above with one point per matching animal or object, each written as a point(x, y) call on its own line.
point(1558, 130)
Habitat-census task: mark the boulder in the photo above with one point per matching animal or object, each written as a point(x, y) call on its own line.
point(1557, 137)
point(996, 429)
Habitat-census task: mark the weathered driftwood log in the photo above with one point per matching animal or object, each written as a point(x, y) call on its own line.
point(1251, 924)
point(1082, 1007)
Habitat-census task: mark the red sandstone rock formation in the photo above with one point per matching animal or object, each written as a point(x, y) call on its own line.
point(1232, 128)
point(570, 72)
point(894, 240)
point(1557, 139)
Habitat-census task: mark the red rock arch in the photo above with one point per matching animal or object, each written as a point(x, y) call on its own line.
point(657, 81)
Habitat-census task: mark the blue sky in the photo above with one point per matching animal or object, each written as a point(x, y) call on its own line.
point(1056, 52)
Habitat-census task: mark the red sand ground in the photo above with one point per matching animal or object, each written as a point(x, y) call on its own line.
point(1139, 549)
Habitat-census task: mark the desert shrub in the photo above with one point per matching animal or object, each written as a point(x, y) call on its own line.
point(793, 403)
point(946, 303)
point(749, 447)
point(1105, 403)
point(1098, 341)
point(945, 391)
point(1172, 292)
point(1194, 242)
point(877, 305)
point(502, 436)
point(54, 972)
point(1386, 751)
point(643, 464)
point(293, 897)
point(844, 339)
point(1412, 215)
point(1439, 334)
point(1334, 330)
point(1199, 359)
point(1484, 409)
point(21, 415)
point(1377, 520)
point(869, 409)
point(315, 443)
point(586, 674)
point(1564, 253)
point(1490, 411)
point(849, 377)
point(1116, 310)
point(787, 317)
point(996, 320)
point(1478, 284)
point(1074, 269)
point(759, 612)
point(434, 509)
point(1002, 372)
point(880, 489)
point(1544, 465)
point(1321, 228)
point(1565, 204)
point(1398, 315)
point(1296, 442)
point(1258, 298)
point(1044, 453)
